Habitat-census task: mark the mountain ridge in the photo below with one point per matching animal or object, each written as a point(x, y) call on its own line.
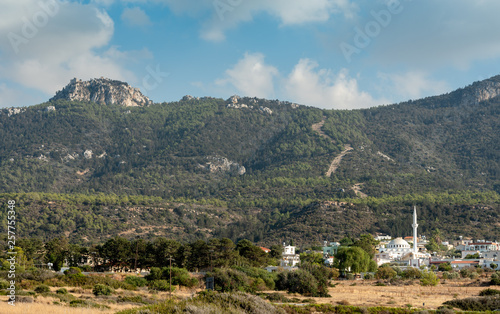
point(195, 151)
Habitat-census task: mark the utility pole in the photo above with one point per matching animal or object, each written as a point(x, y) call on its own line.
point(170, 285)
point(136, 253)
point(211, 267)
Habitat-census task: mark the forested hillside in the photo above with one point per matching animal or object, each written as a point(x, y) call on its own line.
point(268, 168)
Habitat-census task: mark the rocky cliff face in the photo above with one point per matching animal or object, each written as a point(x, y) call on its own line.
point(481, 91)
point(103, 91)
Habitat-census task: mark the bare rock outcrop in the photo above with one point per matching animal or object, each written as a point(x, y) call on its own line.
point(103, 91)
point(481, 91)
point(222, 164)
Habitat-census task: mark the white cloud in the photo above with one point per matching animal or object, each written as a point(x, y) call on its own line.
point(251, 76)
point(323, 88)
point(135, 17)
point(412, 85)
point(228, 14)
point(106, 3)
point(289, 12)
point(306, 84)
point(43, 47)
point(431, 35)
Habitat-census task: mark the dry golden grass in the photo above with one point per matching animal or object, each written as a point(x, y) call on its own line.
point(42, 305)
point(41, 308)
point(365, 293)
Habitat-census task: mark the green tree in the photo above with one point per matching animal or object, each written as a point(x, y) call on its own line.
point(445, 267)
point(434, 244)
point(276, 251)
point(312, 258)
point(162, 249)
point(367, 243)
point(352, 259)
point(347, 241)
point(429, 278)
point(385, 272)
point(472, 256)
point(117, 252)
point(56, 252)
point(254, 254)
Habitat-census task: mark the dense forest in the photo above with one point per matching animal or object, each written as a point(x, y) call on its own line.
point(259, 169)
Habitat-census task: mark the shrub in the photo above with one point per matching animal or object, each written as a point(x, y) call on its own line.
point(4, 284)
point(86, 268)
point(136, 281)
point(38, 275)
point(335, 273)
point(282, 280)
point(473, 275)
point(429, 278)
point(495, 278)
point(276, 297)
point(87, 304)
point(467, 272)
point(258, 285)
point(411, 273)
point(73, 271)
point(255, 272)
point(42, 289)
point(451, 275)
point(101, 289)
point(133, 299)
point(302, 282)
point(160, 285)
point(445, 267)
point(90, 281)
point(368, 276)
point(385, 272)
point(487, 303)
point(180, 276)
point(489, 291)
point(230, 279)
point(62, 291)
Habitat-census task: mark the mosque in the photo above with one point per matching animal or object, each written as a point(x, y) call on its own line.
point(399, 249)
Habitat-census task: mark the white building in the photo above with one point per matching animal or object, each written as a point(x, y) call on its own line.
point(288, 257)
point(396, 249)
point(481, 246)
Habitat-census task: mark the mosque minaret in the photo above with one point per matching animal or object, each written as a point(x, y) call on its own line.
point(415, 226)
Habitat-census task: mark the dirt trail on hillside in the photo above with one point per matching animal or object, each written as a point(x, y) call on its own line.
point(317, 127)
point(336, 162)
point(357, 189)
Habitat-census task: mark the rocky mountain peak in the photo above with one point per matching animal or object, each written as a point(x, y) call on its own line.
point(103, 91)
point(481, 91)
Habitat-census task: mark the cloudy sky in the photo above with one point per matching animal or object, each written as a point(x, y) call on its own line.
point(341, 54)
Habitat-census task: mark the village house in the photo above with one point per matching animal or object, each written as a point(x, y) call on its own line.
point(288, 257)
point(479, 246)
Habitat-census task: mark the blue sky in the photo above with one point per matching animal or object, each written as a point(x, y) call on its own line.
point(340, 54)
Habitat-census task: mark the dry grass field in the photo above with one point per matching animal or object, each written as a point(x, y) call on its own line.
point(367, 294)
point(359, 293)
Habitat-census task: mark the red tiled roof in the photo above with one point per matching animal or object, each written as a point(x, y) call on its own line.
point(265, 249)
point(465, 262)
